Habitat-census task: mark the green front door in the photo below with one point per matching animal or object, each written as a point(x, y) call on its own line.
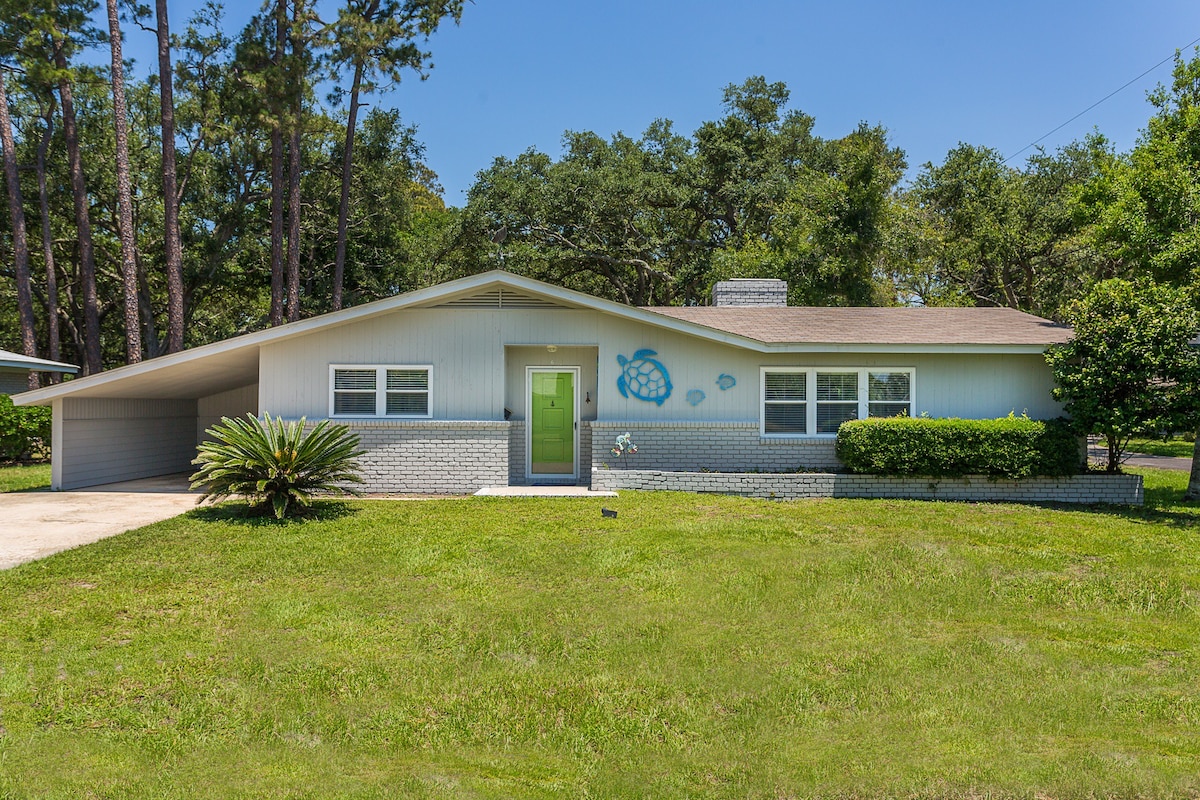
point(552, 423)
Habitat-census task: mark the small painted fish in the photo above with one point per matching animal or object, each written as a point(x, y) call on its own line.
point(726, 381)
point(695, 397)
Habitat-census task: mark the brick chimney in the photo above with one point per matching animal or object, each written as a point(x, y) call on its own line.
point(750, 292)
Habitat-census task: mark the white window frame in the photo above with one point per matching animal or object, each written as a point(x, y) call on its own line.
point(381, 392)
point(864, 402)
point(762, 404)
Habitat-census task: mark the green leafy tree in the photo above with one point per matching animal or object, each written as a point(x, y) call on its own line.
point(995, 235)
point(379, 262)
point(1145, 207)
point(375, 40)
point(656, 220)
point(827, 236)
point(1129, 368)
point(24, 432)
point(609, 217)
point(276, 465)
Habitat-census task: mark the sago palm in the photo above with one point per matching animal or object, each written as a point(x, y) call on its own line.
point(274, 464)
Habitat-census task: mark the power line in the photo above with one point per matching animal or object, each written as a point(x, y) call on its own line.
point(1035, 142)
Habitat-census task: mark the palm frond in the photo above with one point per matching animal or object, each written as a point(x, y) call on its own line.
point(275, 464)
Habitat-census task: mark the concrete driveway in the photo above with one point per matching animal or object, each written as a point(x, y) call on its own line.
point(36, 524)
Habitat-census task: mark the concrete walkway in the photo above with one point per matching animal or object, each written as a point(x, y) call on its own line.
point(541, 491)
point(36, 524)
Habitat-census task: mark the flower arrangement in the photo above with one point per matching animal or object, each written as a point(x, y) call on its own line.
point(625, 446)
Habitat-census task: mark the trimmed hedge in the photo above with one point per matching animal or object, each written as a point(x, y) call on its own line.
point(24, 432)
point(1010, 447)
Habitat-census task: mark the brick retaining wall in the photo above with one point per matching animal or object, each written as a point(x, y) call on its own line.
point(1123, 489)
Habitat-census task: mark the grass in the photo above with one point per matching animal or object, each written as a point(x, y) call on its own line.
point(24, 477)
point(696, 646)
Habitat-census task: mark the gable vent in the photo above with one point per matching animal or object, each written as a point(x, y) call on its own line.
point(500, 298)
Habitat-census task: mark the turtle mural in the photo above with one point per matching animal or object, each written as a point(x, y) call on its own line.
point(644, 377)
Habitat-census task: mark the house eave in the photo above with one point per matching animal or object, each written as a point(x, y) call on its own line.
point(37, 365)
point(933, 349)
point(101, 384)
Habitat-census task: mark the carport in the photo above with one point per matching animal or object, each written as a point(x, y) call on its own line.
point(145, 420)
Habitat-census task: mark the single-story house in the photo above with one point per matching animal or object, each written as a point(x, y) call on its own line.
point(497, 379)
point(15, 369)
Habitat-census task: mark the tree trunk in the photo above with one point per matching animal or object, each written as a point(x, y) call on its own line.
point(339, 263)
point(297, 86)
point(16, 210)
point(149, 326)
point(83, 222)
point(171, 243)
point(277, 287)
point(293, 247)
point(133, 333)
point(52, 331)
point(1193, 487)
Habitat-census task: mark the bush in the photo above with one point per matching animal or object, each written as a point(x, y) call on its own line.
point(273, 464)
point(24, 432)
point(1011, 447)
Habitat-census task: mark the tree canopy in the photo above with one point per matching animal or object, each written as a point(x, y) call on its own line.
point(292, 197)
point(1129, 367)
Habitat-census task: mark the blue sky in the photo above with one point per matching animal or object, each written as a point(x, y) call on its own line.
point(517, 73)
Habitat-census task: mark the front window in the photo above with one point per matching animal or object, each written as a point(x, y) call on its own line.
point(379, 391)
point(837, 399)
point(785, 406)
point(812, 401)
point(890, 394)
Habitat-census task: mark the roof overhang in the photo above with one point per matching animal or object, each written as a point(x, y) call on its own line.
point(12, 360)
point(231, 363)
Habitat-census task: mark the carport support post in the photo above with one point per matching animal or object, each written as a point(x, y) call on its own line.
point(56, 445)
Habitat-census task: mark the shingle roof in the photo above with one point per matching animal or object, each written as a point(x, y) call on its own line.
point(1002, 326)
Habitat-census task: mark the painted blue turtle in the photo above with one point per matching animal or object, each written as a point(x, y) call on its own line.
point(644, 377)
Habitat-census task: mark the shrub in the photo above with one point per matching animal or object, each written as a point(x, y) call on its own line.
point(274, 464)
point(1012, 447)
point(24, 432)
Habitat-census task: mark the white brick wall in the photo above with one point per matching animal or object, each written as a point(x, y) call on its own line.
point(713, 446)
point(432, 456)
point(516, 453)
point(448, 456)
point(1122, 489)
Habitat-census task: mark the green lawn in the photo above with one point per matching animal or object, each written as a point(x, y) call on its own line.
point(22, 478)
point(697, 646)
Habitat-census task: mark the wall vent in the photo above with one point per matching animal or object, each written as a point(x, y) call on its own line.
point(500, 298)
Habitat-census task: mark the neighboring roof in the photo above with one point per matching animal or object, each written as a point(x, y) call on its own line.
point(18, 361)
point(229, 364)
point(892, 326)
